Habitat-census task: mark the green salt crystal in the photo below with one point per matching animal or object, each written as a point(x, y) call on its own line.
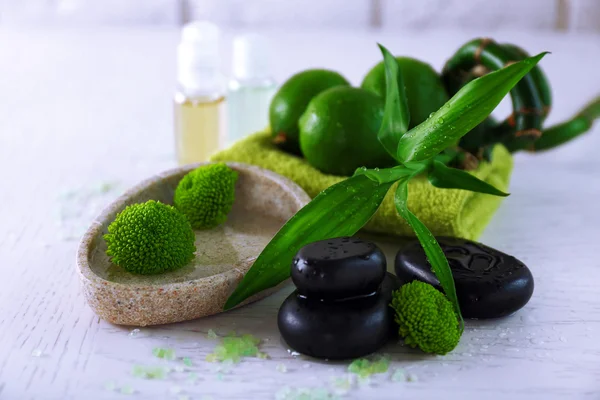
point(281, 368)
point(140, 371)
point(234, 348)
point(343, 383)
point(287, 393)
point(167, 354)
point(364, 368)
point(187, 361)
point(398, 375)
point(127, 390)
point(211, 334)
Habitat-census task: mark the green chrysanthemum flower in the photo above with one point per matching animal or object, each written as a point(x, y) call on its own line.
point(426, 318)
point(206, 195)
point(150, 238)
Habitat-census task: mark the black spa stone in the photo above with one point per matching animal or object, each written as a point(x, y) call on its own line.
point(336, 329)
point(338, 268)
point(489, 283)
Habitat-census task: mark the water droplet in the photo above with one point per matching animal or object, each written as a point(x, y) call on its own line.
point(440, 120)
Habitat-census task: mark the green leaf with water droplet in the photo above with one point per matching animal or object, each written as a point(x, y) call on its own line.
point(433, 251)
point(335, 212)
point(451, 178)
point(396, 116)
point(463, 112)
point(385, 175)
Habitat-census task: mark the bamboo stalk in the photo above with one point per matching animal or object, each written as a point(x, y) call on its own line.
point(523, 127)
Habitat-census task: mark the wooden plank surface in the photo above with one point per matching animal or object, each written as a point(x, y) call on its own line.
point(85, 114)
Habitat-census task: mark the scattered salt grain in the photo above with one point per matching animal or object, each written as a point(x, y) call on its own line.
point(134, 333)
point(166, 354)
point(175, 390)
point(140, 371)
point(287, 393)
point(211, 334)
point(127, 390)
point(398, 375)
point(281, 368)
point(364, 367)
point(36, 353)
point(412, 378)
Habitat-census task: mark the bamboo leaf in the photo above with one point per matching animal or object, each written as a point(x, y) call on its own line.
point(463, 112)
point(340, 210)
point(445, 177)
point(396, 116)
point(385, 175)
point(433, 251)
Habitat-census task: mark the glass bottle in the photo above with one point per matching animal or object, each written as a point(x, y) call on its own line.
point(251, 88)
point(200, 98)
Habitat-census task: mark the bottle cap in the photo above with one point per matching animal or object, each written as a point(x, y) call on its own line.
point(251, 58)
point(198, 56)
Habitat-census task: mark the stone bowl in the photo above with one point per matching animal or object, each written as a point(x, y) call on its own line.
point(264, 202)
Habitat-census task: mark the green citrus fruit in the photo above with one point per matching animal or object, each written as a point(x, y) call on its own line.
point(338, 131)
point(291, 101)
point(424, 89)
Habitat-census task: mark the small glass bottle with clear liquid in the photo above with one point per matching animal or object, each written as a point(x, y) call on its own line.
point(200, 120)
point(251, 89)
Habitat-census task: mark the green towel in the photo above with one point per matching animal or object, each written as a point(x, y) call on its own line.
point(446, 212)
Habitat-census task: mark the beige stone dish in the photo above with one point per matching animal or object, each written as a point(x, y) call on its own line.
point(264, 201)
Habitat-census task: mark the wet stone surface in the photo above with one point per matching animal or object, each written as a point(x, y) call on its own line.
point(489, 283)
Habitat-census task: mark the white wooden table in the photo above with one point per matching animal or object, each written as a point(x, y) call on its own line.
point(85, 114)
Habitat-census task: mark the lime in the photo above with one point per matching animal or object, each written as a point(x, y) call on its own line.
point(291, 101)
point(424, 89)
point(338, 131)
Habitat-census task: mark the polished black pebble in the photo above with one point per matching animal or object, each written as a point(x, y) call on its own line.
point(489, 283)
point(338, 268)
point(389, 284)
point(339, 329)
point(335, 329)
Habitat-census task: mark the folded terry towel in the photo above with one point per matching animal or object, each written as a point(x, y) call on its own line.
point(447, 212)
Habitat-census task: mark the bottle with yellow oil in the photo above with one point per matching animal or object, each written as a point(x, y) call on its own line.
point(200, 98)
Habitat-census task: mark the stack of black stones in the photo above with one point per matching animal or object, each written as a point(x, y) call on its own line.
point(341, 306)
